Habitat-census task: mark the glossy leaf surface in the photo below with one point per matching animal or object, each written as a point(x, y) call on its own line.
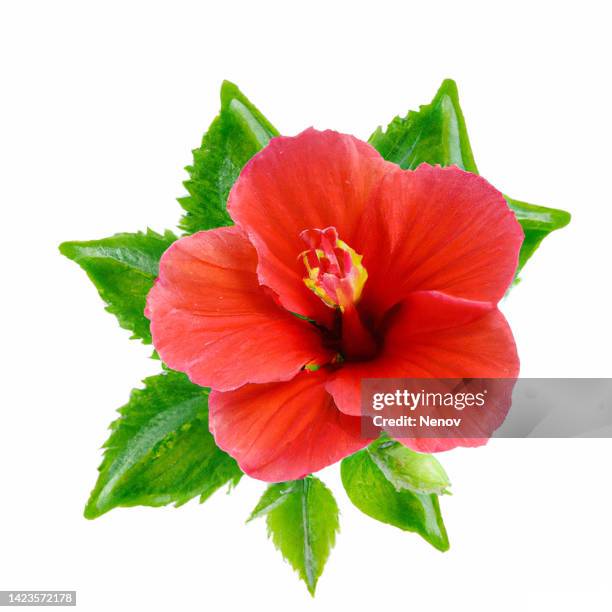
point(123, 269)
point(435, 134)
point(302, 519)
point(407, 469)
point(370, 490)
point(237, 133)
point(160, 450)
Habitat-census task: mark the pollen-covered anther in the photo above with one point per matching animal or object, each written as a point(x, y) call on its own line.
point(334, 270)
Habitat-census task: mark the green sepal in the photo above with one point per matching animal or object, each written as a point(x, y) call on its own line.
point(370, 491)
point(407, 469)
point(123, 269)
point(302, 519)
point(236, 134)
point(160, 450)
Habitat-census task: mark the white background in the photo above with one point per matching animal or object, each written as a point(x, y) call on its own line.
point(100, 106)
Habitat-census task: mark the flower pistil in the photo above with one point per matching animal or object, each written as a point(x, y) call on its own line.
point(335, 272)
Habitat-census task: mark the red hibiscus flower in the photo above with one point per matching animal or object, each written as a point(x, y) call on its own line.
point(341, 266)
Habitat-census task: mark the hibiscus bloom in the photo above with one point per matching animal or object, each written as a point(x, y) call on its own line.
point(341, 266)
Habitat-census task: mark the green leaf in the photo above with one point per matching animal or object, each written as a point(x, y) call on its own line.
point(369, 490)
point(274, 496)
point(437, 134)
point(237, 133)
point(407, 469)
point(302, 518)
point(123, 268)
point(160, 450)
point(537, 222)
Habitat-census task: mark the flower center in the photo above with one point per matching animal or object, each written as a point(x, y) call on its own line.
point(335, 272)
point(337, 276)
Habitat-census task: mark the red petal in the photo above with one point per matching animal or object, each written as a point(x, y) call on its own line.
point(211, 319)
point(439, 229)
point(283, 431)
point(434, 335)
point(311, 181)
